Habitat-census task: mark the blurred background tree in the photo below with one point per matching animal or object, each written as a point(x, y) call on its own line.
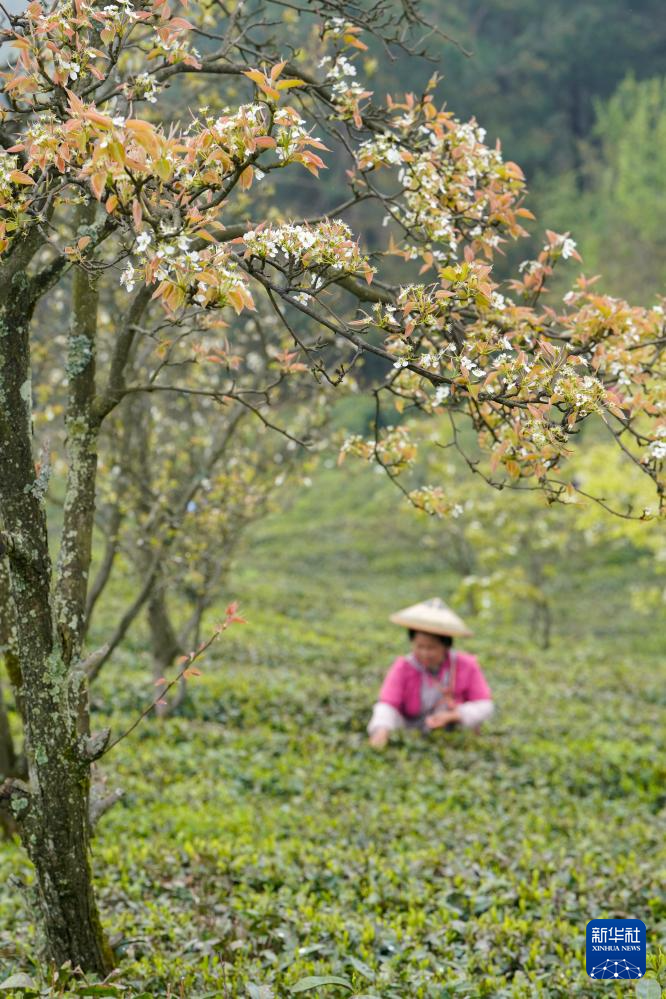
point(576, 95)
point(621, 211)
point(537, 70)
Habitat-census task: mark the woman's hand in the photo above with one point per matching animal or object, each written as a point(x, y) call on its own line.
point(379, 738)
point(438, 719)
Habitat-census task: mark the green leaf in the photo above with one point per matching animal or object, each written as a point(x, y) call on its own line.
point(648, 989)
point(19, 981)
point(362, 968)
point(259, 991)
point(314, 981)
point(98, 990)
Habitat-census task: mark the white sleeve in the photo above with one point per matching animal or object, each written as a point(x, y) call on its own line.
point(385, 716)
point(473, 713)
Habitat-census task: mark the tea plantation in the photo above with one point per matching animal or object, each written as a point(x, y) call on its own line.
point(261, 849)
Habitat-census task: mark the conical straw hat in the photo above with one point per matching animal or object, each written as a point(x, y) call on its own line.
point(432, 616)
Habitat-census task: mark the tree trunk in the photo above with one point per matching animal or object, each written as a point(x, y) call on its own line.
point(106, 568)
point(165, 647)
point(82, 427)
point(52, 807)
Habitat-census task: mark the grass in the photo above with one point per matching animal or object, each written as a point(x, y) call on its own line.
point(260, 841)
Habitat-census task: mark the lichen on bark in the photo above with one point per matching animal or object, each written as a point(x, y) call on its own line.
point(53, 813)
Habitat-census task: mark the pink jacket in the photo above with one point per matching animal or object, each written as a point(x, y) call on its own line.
point(402, 685)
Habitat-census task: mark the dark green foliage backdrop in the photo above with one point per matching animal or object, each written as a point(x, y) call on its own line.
point(538, 67)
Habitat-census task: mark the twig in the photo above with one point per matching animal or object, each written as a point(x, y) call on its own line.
point(230, 618)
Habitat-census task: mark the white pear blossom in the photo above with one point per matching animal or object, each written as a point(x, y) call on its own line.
point(127, 278)
point(568, 247)
point(143, 241)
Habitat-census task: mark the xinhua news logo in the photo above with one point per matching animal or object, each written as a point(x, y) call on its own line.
point(615, 948)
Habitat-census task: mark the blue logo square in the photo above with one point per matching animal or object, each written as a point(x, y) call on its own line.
point(615, 949)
